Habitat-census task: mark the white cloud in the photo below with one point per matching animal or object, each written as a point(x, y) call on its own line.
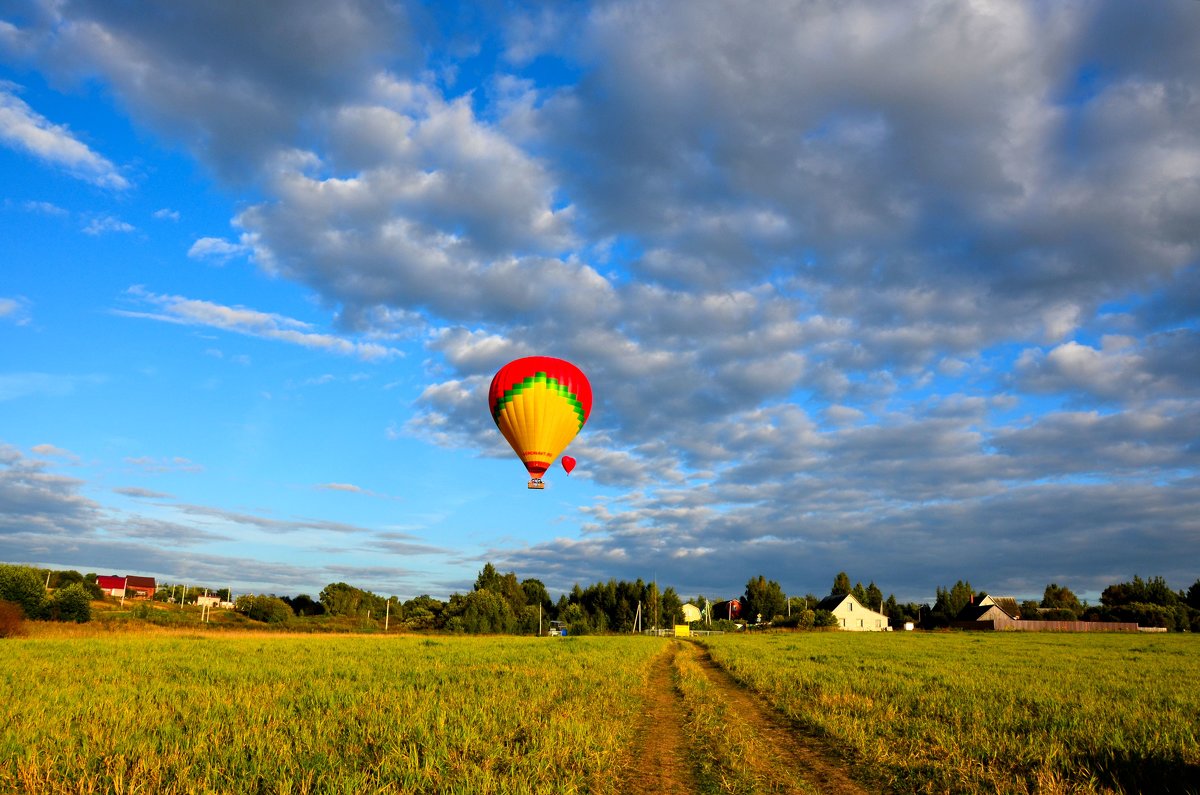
point(162, 465)
point(166, 214)
point(191, 312)
point(106, 223)
point(15, 310)
point(216, 248)
point(25, 129)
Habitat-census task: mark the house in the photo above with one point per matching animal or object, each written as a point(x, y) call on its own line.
point(691, 613)
point(139, 587)
point(1001, 610)
point(112, 585)
point(851, 614)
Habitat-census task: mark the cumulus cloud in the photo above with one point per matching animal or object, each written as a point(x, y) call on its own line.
point(830, 292)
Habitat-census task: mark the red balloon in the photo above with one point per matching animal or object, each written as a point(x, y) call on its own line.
point(568, 463)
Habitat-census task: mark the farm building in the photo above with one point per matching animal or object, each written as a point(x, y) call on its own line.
point(852, 614)
point(112, 585)
point(139, 587)
point(128, 586)
point(691, 613)
point(1002, 610)
point(731, 610)
point(1003, 613)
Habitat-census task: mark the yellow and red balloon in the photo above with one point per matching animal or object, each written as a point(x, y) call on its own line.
point(539, 404)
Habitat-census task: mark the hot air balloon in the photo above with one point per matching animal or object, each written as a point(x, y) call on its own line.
point(539, 403)
point(568, 463)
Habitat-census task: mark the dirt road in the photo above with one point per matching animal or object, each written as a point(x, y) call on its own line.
point(673, 758)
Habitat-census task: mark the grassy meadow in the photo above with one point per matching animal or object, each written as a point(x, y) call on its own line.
point(158, 710)
point(1002, 712)
point(162, 712)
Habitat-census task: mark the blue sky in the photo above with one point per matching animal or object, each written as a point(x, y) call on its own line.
point(906, 290)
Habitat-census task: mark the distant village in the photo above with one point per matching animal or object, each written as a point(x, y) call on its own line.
point(501, 603)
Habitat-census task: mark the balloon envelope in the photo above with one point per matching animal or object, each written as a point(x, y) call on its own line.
point(568, 463)
point(539, 404)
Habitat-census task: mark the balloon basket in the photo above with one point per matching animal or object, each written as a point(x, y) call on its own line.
point(537, 483)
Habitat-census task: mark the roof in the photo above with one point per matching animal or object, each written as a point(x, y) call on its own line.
point(832, 601)
point(976, 610)
point(110, 581)
point(132, 581)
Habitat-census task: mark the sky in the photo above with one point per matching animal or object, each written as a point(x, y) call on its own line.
point(908, 290)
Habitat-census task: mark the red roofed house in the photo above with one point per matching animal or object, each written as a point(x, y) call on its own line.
point(139, 587)
point(112, 585)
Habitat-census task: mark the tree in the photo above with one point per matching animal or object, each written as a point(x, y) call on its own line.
point(268, 609)
point(488, 579)
point(303, 605)
point(874, 597)
point(860, 593)
point(672, 607)
point(841, 584)
point(482, 611)
point(950, 602)
point(763, 597)
point(1153, 592)
point(537, 595)
point(422, 612)
point(1193, 596)
point(23, 586)
point(1060, 597)
point(72, 603)
point(341, 599)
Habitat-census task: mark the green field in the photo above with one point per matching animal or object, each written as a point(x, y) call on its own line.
point(990, 712)
point(162, 713)
point(185, 711)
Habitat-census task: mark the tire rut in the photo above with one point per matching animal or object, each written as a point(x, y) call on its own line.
point(811, 757)
point(661, 764)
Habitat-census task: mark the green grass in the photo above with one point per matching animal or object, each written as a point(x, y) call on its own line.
point(990, 712)
point(171, 713)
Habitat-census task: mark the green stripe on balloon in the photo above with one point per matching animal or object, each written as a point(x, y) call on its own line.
point(553, 384)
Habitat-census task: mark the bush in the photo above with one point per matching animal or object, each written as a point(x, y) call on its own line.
point(73, 603)
point(25, 586)
point(823, 618)
point(269, 609)
point(11, 619)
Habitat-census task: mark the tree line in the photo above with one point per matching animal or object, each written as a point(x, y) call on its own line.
point(503, 603)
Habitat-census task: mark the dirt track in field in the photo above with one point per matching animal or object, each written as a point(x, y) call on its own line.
point(800, 763)
point(662, 764)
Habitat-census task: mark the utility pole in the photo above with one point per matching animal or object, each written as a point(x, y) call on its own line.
point(387, 616)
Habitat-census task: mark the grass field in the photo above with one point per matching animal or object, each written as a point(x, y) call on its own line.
point(180, 713)
point(990, 712)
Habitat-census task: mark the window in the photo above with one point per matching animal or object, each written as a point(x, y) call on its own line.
point(860, 622)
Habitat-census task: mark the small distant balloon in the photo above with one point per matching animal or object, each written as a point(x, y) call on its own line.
point(568, 463)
